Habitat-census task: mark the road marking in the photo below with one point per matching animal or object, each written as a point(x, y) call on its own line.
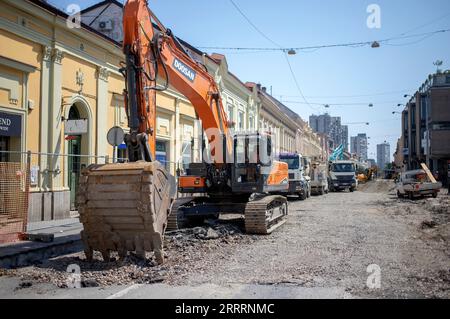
point(124, 291)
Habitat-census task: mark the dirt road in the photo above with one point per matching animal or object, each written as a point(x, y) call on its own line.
point(323, 250)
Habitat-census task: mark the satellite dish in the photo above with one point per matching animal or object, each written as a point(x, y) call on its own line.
point(115, 136)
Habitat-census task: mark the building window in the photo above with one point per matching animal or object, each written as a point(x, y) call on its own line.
point(230, 112)
point(423, 109)
point(250, 122)
point(161, 153)
point(241, 121)
point(162, 126)
point(4, 147)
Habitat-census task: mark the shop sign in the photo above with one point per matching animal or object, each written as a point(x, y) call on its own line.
point(76, 127)
point(10, 124)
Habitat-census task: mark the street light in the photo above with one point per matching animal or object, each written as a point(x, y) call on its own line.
point(400, 104)
point(395, 112)
point(292, 52)
point(406, 95)
point(370, 105)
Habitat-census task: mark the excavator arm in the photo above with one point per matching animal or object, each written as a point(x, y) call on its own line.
point(152, 51)
point(127, 206)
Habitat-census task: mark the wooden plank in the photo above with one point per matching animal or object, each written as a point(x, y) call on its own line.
point(427, 170)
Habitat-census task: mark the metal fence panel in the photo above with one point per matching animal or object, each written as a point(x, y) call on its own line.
point(14, 197)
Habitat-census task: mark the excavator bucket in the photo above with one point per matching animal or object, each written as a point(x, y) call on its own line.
point(124, 208)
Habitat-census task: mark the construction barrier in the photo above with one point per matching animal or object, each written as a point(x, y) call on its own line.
point(14, 197)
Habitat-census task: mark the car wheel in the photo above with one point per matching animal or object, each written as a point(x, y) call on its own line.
point(434, 194)
point(399, 195)
point(410, 196)
point(302, 196)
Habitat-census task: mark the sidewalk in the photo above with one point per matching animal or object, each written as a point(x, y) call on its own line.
point(67, 240)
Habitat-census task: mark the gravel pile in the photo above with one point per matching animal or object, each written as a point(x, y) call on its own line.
point(183, 251)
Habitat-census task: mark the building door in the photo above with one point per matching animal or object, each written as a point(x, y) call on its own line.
point(74, 168)
point(74, 159)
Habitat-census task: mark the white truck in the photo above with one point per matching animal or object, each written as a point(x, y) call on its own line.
point(318, 178)
point(417, 183)
point(342, 175)
point(298, 181)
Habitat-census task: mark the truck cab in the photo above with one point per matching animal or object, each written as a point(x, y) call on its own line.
point(342, 175)
point(299, 183)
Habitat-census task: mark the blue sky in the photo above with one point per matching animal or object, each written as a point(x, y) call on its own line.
point(328, 76)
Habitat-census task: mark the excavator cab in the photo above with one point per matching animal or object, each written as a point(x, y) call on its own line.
point(253, 161)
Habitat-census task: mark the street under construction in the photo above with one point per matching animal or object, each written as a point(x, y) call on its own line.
point(217, 194)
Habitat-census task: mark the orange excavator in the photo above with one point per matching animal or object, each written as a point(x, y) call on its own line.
point(127, 206)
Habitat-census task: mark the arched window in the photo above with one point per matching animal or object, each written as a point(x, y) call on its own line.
point(73, 113)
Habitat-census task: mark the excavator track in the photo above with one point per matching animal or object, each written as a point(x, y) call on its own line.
point(176, 220)
point(265, 214)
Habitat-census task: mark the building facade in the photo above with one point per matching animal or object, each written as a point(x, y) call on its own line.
point(332, 126)
point(241, 102)
point(383, 155)
point(358, 146)
point(60, 92)
point(291, 133)
point(426, 127)
point(277, 123)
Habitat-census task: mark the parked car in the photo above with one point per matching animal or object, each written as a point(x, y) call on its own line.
point(416, 183)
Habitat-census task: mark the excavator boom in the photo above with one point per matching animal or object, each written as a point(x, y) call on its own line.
point(127, 207)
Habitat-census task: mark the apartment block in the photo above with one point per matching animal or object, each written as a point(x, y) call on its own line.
point(426, 127)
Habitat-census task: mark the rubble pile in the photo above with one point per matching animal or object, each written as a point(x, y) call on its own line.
point(183, 249)
point(430, 215)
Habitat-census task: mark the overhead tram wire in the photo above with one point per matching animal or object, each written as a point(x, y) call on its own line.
point(280, 48)
point(253, 25)
point(423, 37)
point(350, 96)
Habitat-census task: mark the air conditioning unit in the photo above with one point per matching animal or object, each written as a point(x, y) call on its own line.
point(105, 25)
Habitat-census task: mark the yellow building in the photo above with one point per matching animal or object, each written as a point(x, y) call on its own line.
point(60, 93)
